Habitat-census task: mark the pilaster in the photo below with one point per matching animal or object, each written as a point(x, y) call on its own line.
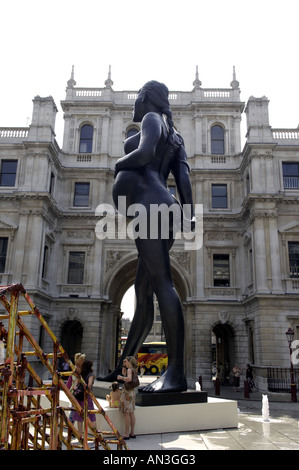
point(260, 259)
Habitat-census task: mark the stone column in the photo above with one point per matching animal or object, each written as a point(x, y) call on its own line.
point(256, 186)
point(97, 268)
point(199, 254)
point(260, 261)
point(269, 164)
point(198, 136)
point(189, 315)
point(40, 176)
point(108, 338)
point(105, 133)
point(19, 269)
point(34, 249)
point(275, 256)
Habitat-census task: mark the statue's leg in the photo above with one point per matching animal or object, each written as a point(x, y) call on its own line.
point(144, 313)
point(142, 320)
point(155, 256)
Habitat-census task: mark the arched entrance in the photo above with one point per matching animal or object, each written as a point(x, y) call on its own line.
point(119, 278)
point(223, 350)
point(124, 277)
point(71, 337)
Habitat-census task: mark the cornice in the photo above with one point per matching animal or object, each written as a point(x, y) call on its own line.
point(7, 226)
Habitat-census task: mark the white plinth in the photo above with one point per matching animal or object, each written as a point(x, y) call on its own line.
point(216, 413)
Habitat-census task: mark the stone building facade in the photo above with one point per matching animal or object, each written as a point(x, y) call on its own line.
point(239, 291)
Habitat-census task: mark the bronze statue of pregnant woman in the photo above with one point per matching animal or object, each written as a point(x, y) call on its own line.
point(141, 177)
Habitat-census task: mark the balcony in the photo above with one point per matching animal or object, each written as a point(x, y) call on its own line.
point(291, 182)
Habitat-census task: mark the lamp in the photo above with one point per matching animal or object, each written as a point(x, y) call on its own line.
point(290, 337)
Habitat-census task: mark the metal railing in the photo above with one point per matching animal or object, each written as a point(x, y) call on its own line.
point(291, 182)
point(279, 379)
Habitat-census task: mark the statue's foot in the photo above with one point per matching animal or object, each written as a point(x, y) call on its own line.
point(112, 377)
point(168, 382)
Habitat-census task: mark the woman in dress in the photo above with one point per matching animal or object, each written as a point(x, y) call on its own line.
point(127, 398)
point(141, 177)
point(88, 376)
point(72, 380)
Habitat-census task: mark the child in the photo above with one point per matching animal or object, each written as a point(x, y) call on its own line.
point(114, 396)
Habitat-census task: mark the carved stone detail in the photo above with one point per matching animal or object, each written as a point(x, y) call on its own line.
point(183, 258)
point(223, 316)
point(113, 257)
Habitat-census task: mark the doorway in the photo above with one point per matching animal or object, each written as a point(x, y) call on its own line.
point(223, 350)
point(71, 337)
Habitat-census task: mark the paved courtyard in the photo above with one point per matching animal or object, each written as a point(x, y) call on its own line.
point(281, 432)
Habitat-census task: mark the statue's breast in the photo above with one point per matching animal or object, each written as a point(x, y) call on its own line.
point(131, 143)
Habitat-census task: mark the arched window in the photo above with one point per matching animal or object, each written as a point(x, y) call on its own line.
point(217, 140)
point(86, 135)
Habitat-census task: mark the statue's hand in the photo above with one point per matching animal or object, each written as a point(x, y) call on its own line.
point(116, 169)
point(188, 225)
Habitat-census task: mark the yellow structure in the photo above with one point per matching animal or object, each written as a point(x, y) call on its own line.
point(25, 422)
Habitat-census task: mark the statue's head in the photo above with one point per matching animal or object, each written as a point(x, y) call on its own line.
point(157, 93)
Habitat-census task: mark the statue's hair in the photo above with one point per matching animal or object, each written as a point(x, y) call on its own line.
point(158, 95)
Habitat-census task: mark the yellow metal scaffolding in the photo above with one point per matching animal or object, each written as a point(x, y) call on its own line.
point(25, 422)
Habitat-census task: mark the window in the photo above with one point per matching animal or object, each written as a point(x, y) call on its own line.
point(81, 195)
point(45, 262)
point(219, 196)
point(294, 258)
point(221, 270)
point(52, 181)
point(8, 172)
point(3, 252)
point(247, 184)
point(290, 175)
point(86, 135)
point(76, 267)
point(217, 140)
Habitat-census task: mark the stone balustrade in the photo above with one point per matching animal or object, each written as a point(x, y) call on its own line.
point(285, 134)
point(179, 97)
point(14, 133)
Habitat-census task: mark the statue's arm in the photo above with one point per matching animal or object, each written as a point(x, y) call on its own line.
point(181, 175)
point(151, 129)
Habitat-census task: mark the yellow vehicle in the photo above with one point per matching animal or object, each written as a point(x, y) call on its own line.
point(153, 358)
